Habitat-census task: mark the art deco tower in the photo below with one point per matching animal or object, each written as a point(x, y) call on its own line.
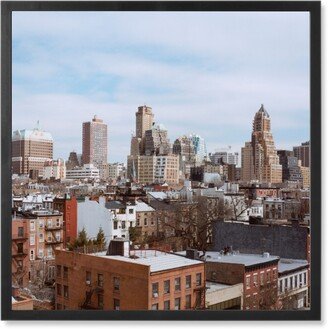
point(264, 165)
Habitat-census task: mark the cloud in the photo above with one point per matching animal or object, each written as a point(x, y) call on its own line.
point(201, 72)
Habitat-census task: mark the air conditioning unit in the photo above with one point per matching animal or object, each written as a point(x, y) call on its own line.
point(155, 294)
point(88, 282)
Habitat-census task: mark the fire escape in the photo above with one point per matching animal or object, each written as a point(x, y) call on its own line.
point(87, 304)
point(54, 241)
point(200, 298)
point(18, 255)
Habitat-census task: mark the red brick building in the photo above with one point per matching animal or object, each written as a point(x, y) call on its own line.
point(258, 273)
point(67, 205)
point(129, 280)
point(20, 252)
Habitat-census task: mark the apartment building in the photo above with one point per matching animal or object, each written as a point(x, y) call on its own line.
point(128, 280)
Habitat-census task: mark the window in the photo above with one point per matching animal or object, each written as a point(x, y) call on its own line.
point(41, 237)
point(40, 253)
point(59, 289)
point(268, 277)
point(100, 280)
point(116, 304)
point(262, 279)
point(130, 211)
point(166, 305)
point(300, 279)
point(177, 284)
point(188, 281)
point(123, 224)
point(255, 279)
point(155, 289)
point(291, 282)
point(32, 239)
point(138, 222)
point(66, 291)
point(280, 286)
point(88, 277)
point(100, 301)
point(304, 278)
point(248, 282)
point(32, 225)
point(145, 222)
point(286, 283)
point(32, 254)
point(167, 287)
point(296, 281)
point(21, 231)
point(198, 279)
point(177, 302)
point(188, 302)
point(115, 225)
point(41, 223)
point(65, 274)
point(274, 274)
point(116, 284)
point(154, 307)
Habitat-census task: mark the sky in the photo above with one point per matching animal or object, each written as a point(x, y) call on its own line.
point(201, 72)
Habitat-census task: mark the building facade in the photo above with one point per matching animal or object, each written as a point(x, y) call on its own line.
point(30, 150)
point(54, 169)
point(94, 142)
point(88, 171)
point(302, 153)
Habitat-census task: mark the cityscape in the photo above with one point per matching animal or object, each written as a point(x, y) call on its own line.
point(175, 228)
point(161, 161)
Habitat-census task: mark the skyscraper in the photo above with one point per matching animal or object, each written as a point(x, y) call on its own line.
point(264, 166)
point(30, 150)
point(157, 141)
point(199, 148)
point(302, 153)
point(94, 142)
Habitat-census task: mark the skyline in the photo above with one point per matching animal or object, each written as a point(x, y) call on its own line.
point(151, 66)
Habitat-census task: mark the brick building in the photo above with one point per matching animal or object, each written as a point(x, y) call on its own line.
point(257, 273)
point(128, 280)
point(67, 205)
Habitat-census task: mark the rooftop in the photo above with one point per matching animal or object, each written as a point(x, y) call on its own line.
point(142, 207)
point(214, 286)
point(156, 260)
point(287, 265)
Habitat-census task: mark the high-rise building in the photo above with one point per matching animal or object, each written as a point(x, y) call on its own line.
point(302, 153)
point(144, 122)
point(30, 150)
point(94, 142)
point(264, 165)
point(157, 141)
point(73, 161)
point(199, 148)
point(224, 157)
point(290, 167)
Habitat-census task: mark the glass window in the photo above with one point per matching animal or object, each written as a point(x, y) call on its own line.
point(248, 282)
point(166, 305)
point(66, 291)
point(116, 304)
point(255, 279)
point(155, 289)
point(65, 274)
point(188, 281)
point(32, 239)
point(130, 211)
point(177, 302)
point(21, 231)
point(116, 284)
point(177, 284)
point(145, 222)
point(198, 279)
point(100, 301)
point(123, 224)
point(291, 283)
point(88, 277)
point(115, 225)
point(304, 278)
point(296, 281)
point(188, 302)
point(167, 287)
point(286, 284)
point(154, 307)
point(262, 279)
point(100, 280)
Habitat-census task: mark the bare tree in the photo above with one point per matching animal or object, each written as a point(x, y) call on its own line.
point(238, 205)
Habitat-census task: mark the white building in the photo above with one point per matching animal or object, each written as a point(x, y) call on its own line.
point(123, 217)
point(199, 148)
point(226, 156)
point(36, 201)
point(54, 169)
point(293, 283)
point(88, 171)
point(115, 170)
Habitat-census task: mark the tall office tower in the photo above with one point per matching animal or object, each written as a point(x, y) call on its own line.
point(184, 147)
point(265, 166)
point(156, 141)
point(290, 167)
point(199, 148)
point(94, 142)
point(72, 161)
point(144, 122)
point(302, 153)
point(247, 170)
point(30, 150)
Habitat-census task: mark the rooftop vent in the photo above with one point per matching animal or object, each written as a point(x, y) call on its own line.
point(192, 253)
point(266, 255)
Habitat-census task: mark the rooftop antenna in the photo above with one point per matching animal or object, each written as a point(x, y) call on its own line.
point(38, 125)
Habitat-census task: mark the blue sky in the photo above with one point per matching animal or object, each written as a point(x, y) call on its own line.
point(206, 73)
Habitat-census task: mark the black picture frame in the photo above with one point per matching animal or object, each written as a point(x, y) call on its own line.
point(313, 7)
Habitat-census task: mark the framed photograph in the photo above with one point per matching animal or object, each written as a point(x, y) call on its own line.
point(160, 160)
